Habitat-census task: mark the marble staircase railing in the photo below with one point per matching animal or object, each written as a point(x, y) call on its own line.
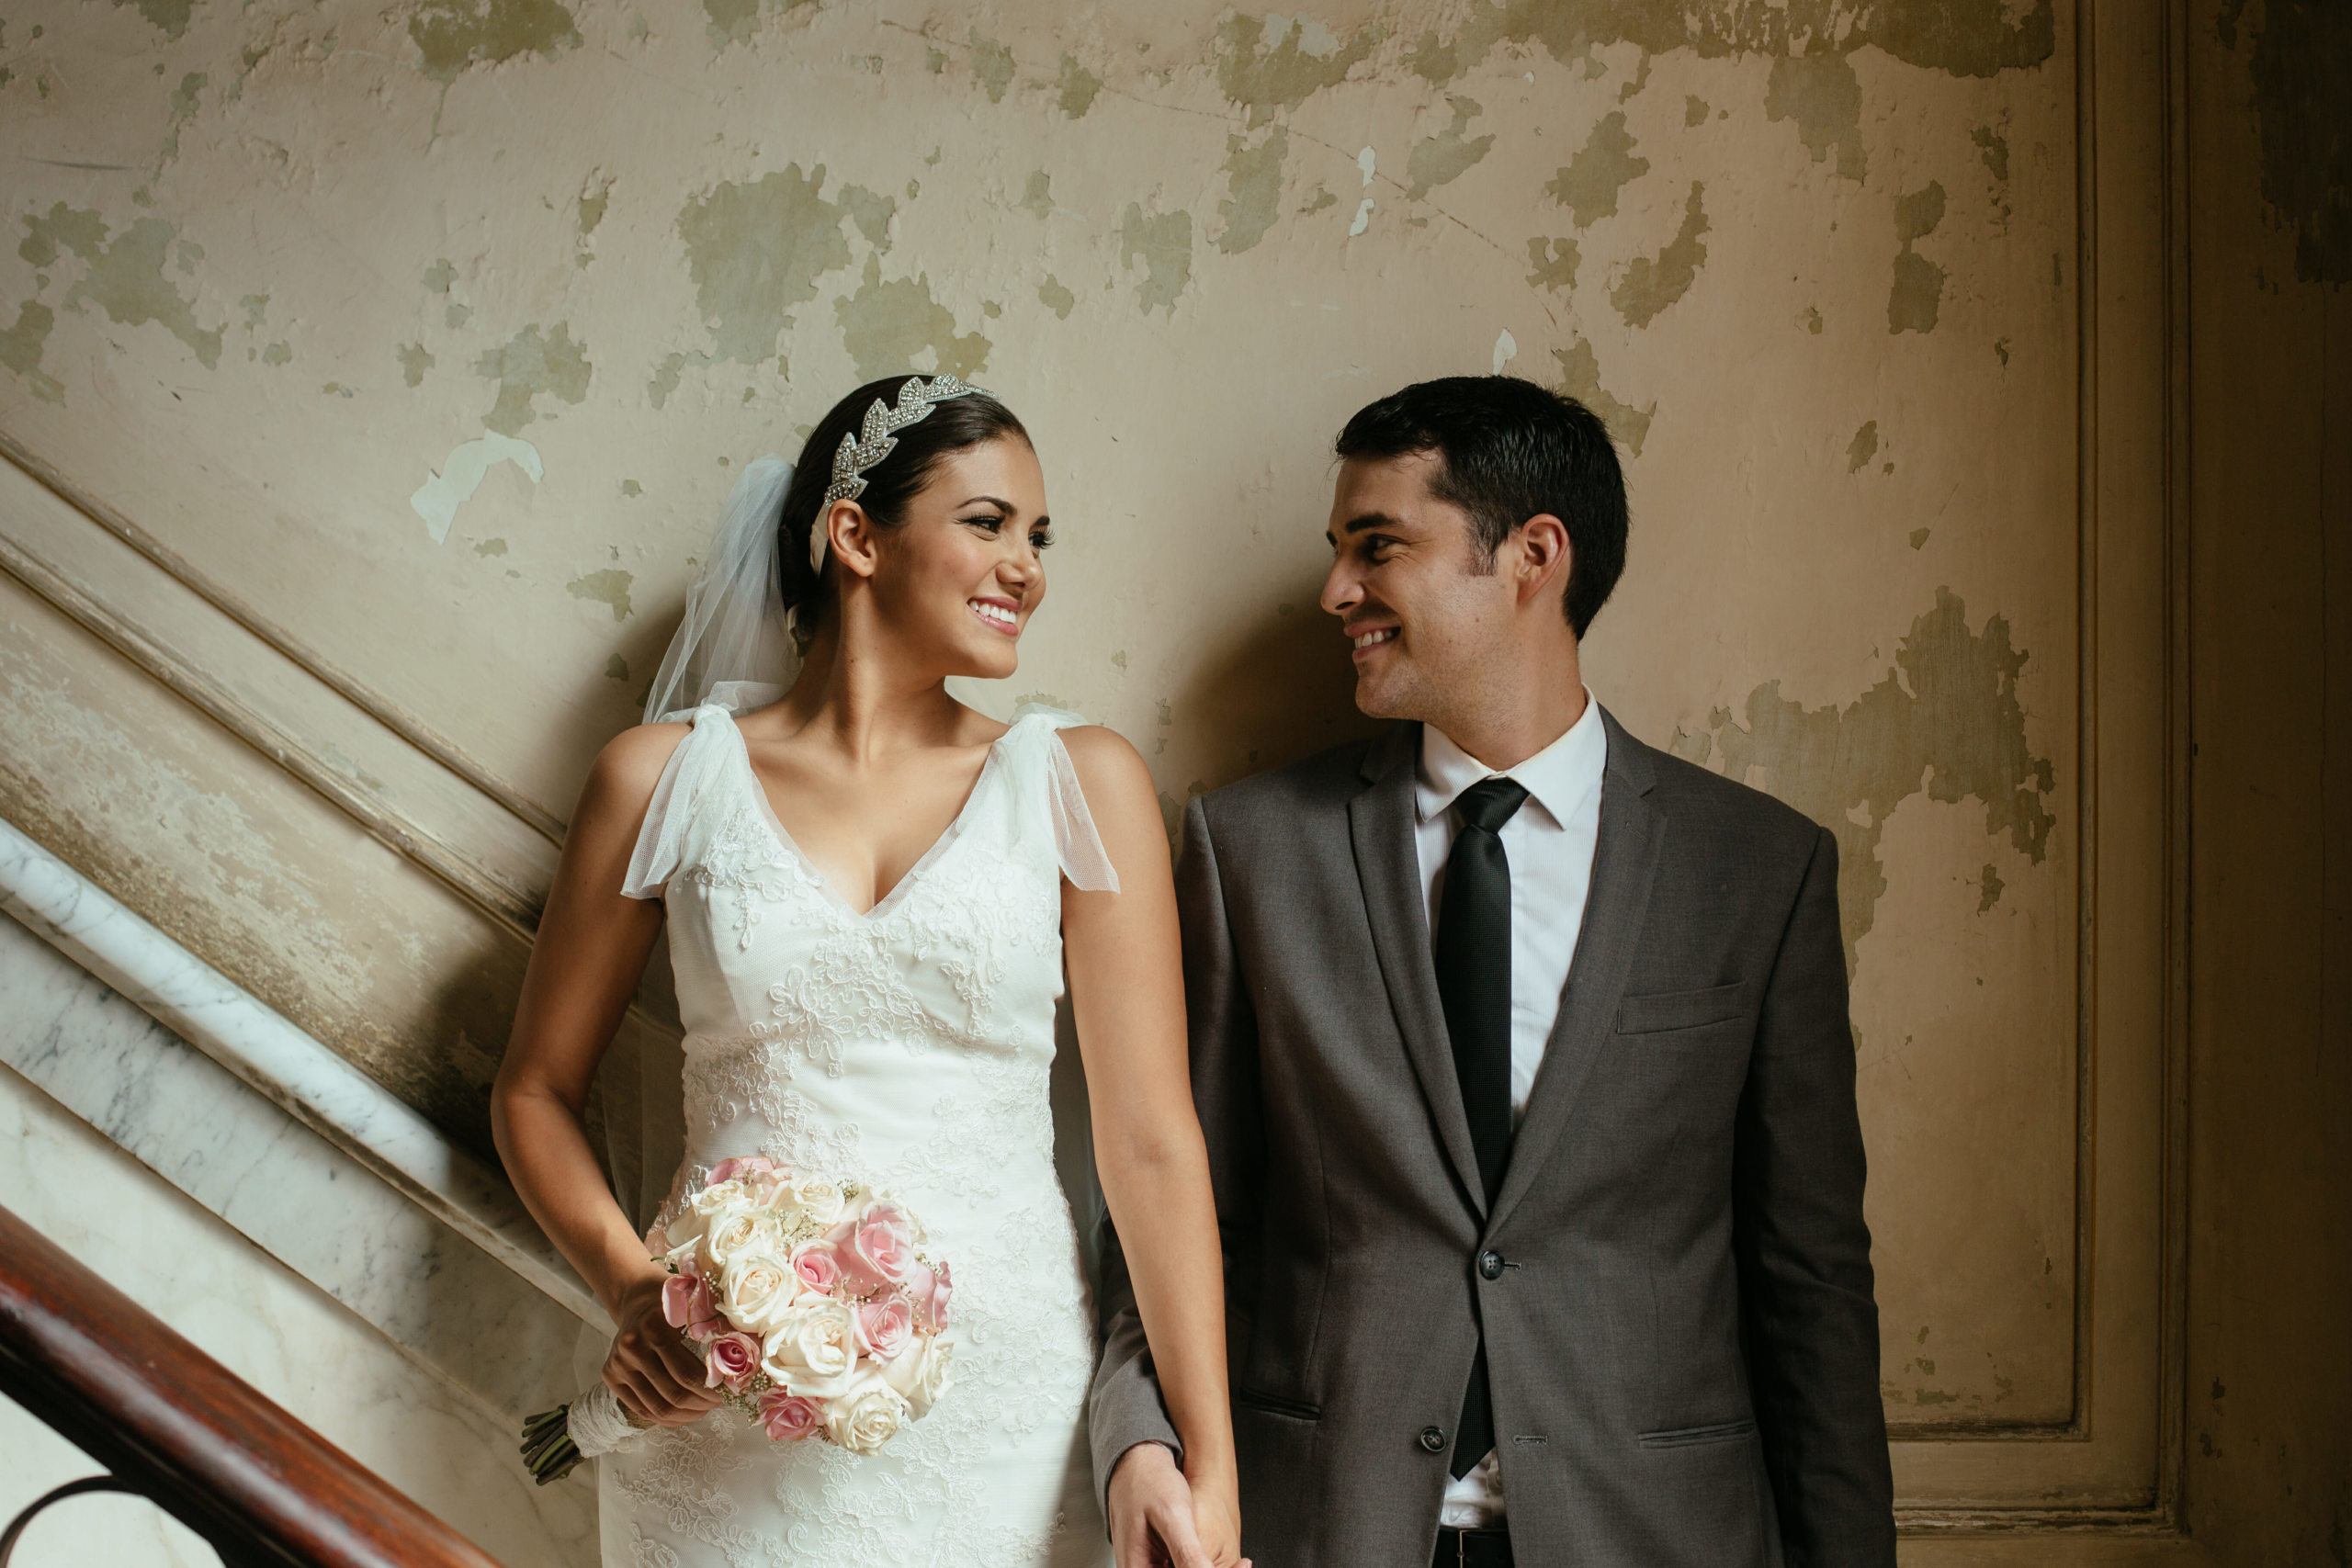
point(307, 1156)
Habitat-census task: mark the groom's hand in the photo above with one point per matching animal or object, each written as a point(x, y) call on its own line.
point(1151, 1513)
point(652, 1370)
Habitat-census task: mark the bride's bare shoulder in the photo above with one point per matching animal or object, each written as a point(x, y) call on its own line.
point(1107, 764)
point(622, 779)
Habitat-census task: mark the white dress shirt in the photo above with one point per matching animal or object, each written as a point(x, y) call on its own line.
point(1549, 842)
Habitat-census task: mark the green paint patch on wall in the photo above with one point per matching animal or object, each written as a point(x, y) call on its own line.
point(1447, 156)
point(734, 21)
point(1076, 87)
point(1553, 263)
point(1038, 200)
point(1994, 149)
point(871, 213)
point(122, 276)
point(1581, 379)
point(609, 588)
point(20, 350)
point(1056, 298)
point(1268, 62)
point(992, 64)
point(168, 17)
point(1254, 179)
point(1821, 93)
point(1652, 283)
point(531, 363)
point(886, 325)
point(415, 360)
point(1863, 447)
point(453, 35)
point(1603, 166)
point(755, 250)
point(1917, 297)
point(1164, 244)
point(1945, 721)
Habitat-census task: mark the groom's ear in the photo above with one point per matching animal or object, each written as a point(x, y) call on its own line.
point(1544, 557)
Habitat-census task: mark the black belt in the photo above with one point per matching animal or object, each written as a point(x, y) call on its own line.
point(1472, 1548)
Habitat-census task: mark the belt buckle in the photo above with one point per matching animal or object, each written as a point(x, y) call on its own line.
point(1461, 1549)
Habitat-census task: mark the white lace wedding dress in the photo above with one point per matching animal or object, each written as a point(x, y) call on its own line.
point(909, 1045)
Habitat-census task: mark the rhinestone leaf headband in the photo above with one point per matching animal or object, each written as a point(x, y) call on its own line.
point(875, 442)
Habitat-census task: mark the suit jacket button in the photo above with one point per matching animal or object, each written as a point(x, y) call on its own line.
point(1433, 1438)
point(1490, 1264)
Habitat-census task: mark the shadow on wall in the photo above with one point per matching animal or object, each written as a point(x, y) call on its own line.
point(1280, 689)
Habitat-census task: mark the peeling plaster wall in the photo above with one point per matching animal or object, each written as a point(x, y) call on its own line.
point(440, 330)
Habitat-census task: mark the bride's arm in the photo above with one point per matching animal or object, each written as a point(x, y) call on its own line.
point(591, 951)
point(1127, 993)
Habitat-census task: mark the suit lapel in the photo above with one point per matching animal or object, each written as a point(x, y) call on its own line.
point(1380, 824)
point(1624, 864)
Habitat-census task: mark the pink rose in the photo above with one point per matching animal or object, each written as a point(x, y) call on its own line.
point(931, 1287)
point(884, 1328)
point(790, 1418)
point(882, 1244)
point(731, 1359)
point(686, 1303)
point(817, 1266)
point(727, 1170)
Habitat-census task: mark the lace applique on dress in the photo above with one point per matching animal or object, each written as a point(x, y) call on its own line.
point(910, 1045)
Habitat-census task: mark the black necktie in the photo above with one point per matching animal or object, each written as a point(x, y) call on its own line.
point(1473, 954)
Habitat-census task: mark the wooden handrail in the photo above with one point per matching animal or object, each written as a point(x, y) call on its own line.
point(178, 1427)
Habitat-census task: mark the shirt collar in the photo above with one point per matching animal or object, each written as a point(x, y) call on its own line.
point(1560, 778)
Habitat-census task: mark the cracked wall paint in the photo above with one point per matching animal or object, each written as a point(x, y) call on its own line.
point(453, 35)
point(531, 363)
point(1821, 93)
point(1447, 156)
point(1254, 190)
point(1916, 298)
point(1945, 721)
point(1163, 243)
point(1587, 185)
point(123, 275)
point(1652, 283)
point(437, 500)
point(755, 250)
point(892, 327)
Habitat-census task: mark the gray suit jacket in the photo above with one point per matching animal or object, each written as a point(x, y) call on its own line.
point(1684, 1347)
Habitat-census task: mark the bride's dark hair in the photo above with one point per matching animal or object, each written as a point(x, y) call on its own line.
point(890, 484)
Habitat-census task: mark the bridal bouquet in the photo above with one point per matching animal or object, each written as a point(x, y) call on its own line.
point(813, 1306)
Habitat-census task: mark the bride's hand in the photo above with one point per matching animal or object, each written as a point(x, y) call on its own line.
point(652, 1370)
point(1217, 1520)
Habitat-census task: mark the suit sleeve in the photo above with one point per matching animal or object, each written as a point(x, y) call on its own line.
point(1809, 1317)
point(1126, 1407)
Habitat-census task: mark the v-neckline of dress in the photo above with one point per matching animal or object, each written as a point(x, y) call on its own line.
point(881, 907)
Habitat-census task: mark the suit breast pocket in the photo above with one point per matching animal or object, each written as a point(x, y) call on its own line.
point(1668, 1012)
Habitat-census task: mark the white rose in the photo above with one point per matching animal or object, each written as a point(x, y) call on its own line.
point(756, 1289)
point(812, 1351)
point(733, 1230)
point(922, 1373)
point(821, 1200)
point(865, 1416)
point(707, 1200)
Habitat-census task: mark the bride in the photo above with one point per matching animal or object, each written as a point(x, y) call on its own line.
point(872, 892)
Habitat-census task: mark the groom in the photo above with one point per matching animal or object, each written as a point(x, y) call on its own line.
point(1521, 1052)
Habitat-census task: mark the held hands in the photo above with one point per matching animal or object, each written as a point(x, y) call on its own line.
point(651, 1370)
point(1158, 1519)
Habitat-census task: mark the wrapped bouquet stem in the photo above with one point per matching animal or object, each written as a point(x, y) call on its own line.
point(816, 1310)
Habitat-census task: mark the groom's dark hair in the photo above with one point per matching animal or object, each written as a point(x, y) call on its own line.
point(1511, 450)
